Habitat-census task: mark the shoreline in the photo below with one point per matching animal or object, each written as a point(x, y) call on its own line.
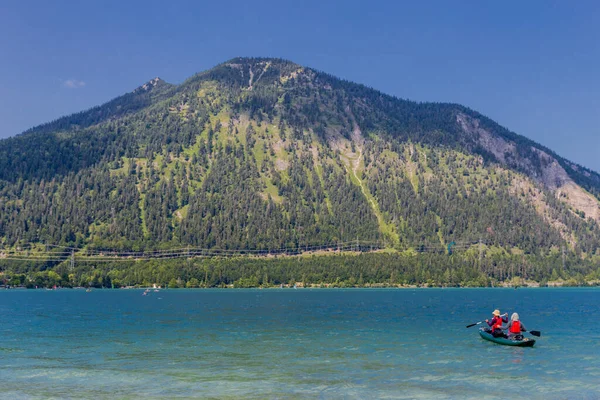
point(291, 288)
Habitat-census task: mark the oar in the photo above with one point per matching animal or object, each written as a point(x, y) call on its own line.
point(476, 323)
point(481, 322)
point(536, 333)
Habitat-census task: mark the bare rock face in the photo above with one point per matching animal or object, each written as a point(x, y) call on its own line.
point(580, 200)
point(499, 147)
point(547, 170)
point(553, 175)
point(149, 85)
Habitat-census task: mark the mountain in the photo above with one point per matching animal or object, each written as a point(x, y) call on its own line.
point(263, 154)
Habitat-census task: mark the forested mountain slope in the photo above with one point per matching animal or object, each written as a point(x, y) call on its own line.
point(266, 154)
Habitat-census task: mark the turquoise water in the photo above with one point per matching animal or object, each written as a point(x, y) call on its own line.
point(288, 343)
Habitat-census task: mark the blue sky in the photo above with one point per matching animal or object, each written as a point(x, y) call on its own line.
point(532, 66)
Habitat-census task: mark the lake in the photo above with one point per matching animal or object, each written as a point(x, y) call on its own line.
point(287, 343)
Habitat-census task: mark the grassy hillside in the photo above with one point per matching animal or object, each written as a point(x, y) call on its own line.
point(263, 154)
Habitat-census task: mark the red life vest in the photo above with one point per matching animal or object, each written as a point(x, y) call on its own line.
point(497, 323)
point(515, 327)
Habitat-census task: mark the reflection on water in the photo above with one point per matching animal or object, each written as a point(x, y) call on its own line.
point(517, 354)
point(294, 343)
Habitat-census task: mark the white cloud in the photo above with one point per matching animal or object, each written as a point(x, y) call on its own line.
point(73, 84)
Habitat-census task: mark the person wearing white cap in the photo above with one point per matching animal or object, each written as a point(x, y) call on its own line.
point(496, 323)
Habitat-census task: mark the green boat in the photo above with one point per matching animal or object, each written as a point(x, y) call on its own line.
point(525, 342)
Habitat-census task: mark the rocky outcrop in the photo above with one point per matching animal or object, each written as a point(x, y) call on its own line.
point(538, 164)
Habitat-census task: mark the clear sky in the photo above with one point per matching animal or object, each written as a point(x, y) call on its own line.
point(533, 66)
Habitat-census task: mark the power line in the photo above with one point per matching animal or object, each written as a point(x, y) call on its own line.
point(109, 255)
point(65, 253)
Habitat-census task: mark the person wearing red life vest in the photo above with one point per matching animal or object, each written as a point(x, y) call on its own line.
point(515, 327)
point(496, 323)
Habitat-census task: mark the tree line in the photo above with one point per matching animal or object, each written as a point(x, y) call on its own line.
point(339, 270)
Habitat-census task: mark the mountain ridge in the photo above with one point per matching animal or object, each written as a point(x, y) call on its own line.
point(263, 152)
point(235, 61)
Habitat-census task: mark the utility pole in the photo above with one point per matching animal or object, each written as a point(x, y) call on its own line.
point(72, 259)
point(112, 224)
point(480, 253)
point(188, 256)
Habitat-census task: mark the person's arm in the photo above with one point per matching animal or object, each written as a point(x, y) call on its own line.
point(490, 323)
point(523, 329)
point(505, 318)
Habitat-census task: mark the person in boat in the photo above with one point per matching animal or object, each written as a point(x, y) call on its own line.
point(496, 323)
point(515, 327)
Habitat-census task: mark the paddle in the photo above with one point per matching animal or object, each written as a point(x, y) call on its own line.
point(476, 323)
point(536, 333)
point(481, 322)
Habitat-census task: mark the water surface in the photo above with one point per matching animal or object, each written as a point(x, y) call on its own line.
point(355, 343)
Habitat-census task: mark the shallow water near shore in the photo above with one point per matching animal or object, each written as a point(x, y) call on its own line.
point(286, 343)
